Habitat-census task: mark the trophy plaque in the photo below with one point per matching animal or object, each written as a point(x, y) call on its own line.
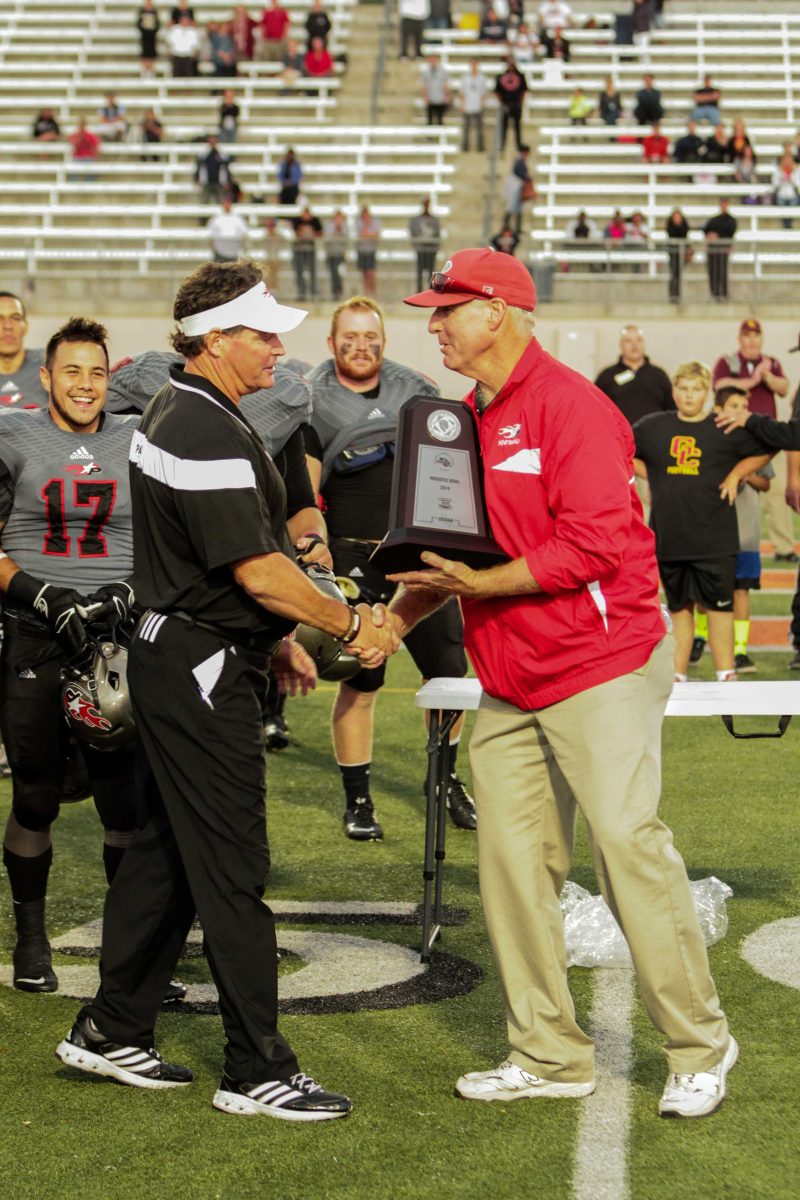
point(437, 499)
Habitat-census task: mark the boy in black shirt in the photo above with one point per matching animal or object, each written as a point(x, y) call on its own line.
point(694, 476)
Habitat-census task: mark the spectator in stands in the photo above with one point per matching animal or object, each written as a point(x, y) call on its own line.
point(745, 171)
point(46, 127)
point(113, 121)
point(337, 237)
point(642, 17)
point(368, 234)
point(243, 28)
point(492, 28)
point(648, 109)
point(706, 97)
point(523, 43)
point(148, 23)
point(785, 185)
point(293, 61)
point(554, 14)
point(212, 172)
point(227, 233)
point(435, 89)
point(274, 27)
point(510, 88)
point(426, 235)
point(717, 146)
point(655, 147)
point(184, 42)
point(307, 231)
point(229, 113)
point(318, 24)
point(471, 97)
point(506, 241)
point(272, 251)
point(85, 145)
point(720, 230)
point(637, 229)
point(616, 228)
point(413, 15)
point(221, 48)
point(318, 62)
point(679, 252)
point(181, 9)
point(152, 133)
point(690, 148)
point(580, 107)
point(738, 141)
point(582, 229)
point(441, 15)
point(518, 187)
point(290, 173)
point(609, 102)
point(555, 45)
point(762, 377)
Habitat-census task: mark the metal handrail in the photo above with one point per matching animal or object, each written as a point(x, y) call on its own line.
point(380, 63)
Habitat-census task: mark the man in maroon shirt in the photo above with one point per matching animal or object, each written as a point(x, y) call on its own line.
point(274, 27)
point(569, 643)
point(763, 379)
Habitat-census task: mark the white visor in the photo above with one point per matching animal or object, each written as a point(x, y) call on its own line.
point(255, 309)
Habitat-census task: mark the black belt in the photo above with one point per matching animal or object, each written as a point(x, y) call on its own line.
point(261, 643)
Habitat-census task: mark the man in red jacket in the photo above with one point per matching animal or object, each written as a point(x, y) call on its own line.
point(570, 645)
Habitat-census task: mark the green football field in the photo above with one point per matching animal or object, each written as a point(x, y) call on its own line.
point(734, 809)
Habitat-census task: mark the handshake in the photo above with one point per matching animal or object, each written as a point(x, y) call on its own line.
point(374, 634)
point(67, 612)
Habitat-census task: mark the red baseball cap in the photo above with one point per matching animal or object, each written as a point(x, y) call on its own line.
point(750, 325)
point(478, 273)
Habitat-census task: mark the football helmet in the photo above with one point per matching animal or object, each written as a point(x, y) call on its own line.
point(330, 656)
point(96, 701)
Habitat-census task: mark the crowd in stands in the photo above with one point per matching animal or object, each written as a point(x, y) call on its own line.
point(223, 45)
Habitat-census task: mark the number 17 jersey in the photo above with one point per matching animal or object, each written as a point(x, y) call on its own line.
point(66, 499)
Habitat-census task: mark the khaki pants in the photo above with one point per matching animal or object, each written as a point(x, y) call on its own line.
point(779, 515)
point(599, 751)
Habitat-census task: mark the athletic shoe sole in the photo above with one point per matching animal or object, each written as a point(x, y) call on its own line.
point(714, 1102)
point(244, 1106)
point(40, 985)
point(556, 1091)
point(96, 1064)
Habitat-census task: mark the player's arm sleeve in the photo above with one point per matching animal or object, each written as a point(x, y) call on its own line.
point(6, 493)
point(225, 515)
point(299, 492)
point(587, 471)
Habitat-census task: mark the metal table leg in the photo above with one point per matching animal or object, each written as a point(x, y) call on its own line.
point(441, 722)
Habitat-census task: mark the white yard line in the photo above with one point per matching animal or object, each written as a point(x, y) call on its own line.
point(601, 1156)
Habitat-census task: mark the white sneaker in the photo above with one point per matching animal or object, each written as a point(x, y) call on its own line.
point(510, 1082)
point(700, 1094)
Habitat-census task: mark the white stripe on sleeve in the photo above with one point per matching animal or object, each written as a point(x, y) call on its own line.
point(189, 474)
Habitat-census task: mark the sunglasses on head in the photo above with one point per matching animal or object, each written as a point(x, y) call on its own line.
point(446, 283)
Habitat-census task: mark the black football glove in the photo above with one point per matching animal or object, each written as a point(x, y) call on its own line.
point(58, 606)
point(115, 601)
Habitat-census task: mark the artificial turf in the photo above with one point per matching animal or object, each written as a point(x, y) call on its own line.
point(733, 807)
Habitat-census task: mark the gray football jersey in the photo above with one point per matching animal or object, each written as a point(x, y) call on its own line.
point(70, 522)
point(23, 388)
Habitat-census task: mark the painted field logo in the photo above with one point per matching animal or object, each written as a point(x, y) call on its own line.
point(687, 455)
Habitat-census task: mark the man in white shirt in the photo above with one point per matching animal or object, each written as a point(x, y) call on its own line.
point(227, 233)
point(183, 41)
point(474, 87)
point(554, 14)
point(413, 15)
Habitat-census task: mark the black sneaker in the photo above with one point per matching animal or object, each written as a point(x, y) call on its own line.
point(360, 822)
point(276, 732)
point(175, 991)
point(460, 804)
point(791, 557)
point(745, 665)
point(696, 653)
point(295, 1099)
point(86, 1049)
point(33, 966)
